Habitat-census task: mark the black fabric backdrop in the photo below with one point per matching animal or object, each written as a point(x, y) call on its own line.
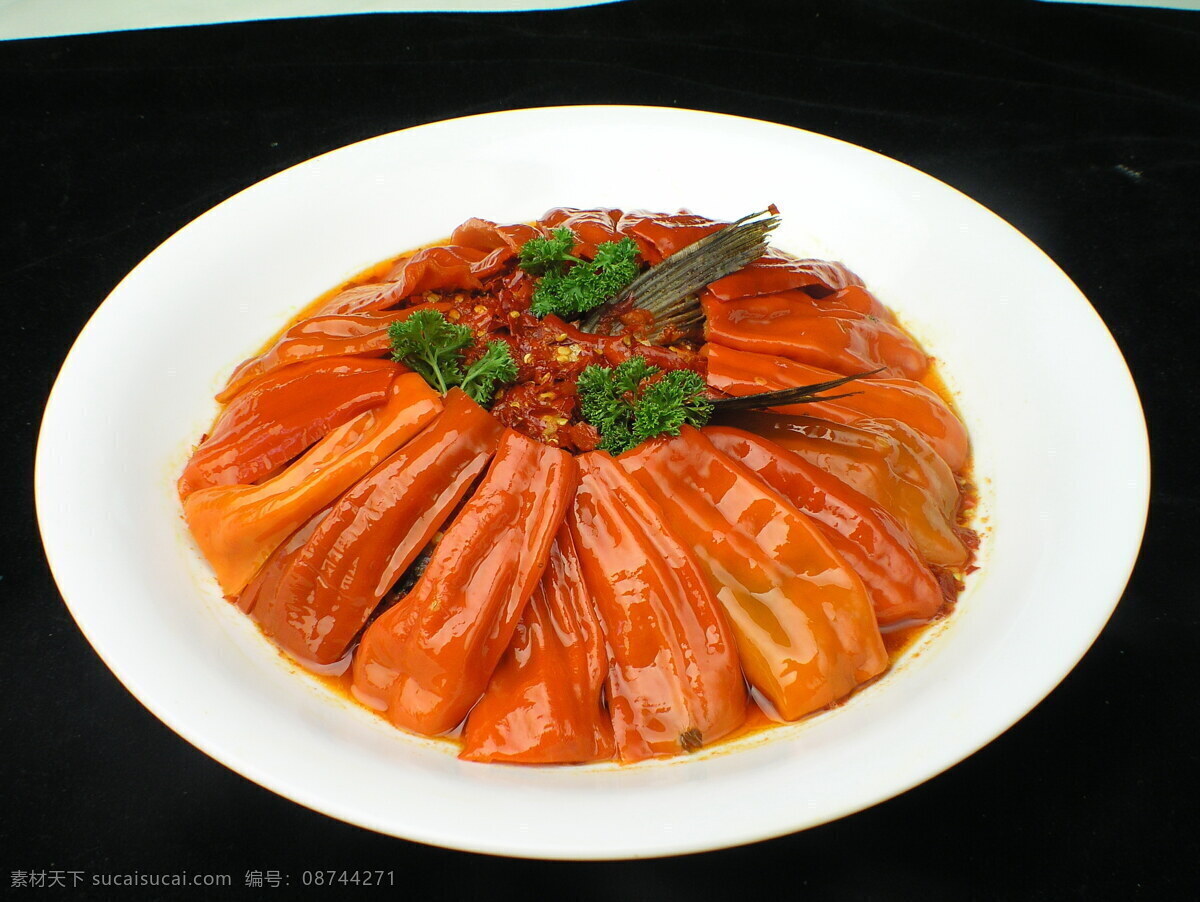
point(1078, 124)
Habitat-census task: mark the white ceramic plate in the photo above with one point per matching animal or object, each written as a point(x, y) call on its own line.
point(1064, 513)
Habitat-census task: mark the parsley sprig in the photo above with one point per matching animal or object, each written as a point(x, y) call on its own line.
point(569, 285)
point(628, 406)
point(542, 255)
point(495, 366)
point(433, 346)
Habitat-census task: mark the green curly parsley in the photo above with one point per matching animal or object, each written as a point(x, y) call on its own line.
point(626, 409)
point(432, 346)
point(495, 366)
point(569, 285)
point(541, 255)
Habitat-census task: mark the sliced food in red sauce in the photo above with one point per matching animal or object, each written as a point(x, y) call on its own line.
point(475, 564)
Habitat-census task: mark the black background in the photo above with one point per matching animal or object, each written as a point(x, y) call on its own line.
point(1078, 124)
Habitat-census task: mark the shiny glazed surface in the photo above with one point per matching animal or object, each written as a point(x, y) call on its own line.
point(472, 577)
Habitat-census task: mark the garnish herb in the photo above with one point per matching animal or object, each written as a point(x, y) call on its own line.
point(627, 409)
point(495, 366)
point(432, 346)
point(542, 255)
point(569, 285)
